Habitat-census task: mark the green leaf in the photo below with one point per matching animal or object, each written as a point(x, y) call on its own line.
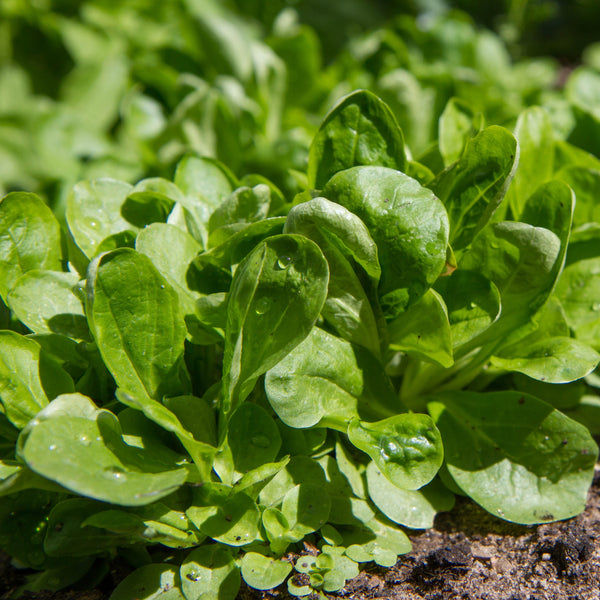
point(210, 573)
point(325, 382)
point(94, 212)
point(67, 532)
point(253, 437)
point(81, 448)
point(457, 124)
point(157, 581)
point(555, 360)
point(515, 455)
point(93, 90)
point(585, 183)
point(306, 509)
point(136, 321)
point(423, 331)
point(202, 453)
point(300, 470)
point(262, 572)
point(244, 205)
point(174, 264)
point(378, 540)
point(472, 301)
point(408, 223)
point(536, 142)
point(521, 260)
point(407, 448)
point(28, 378)
point(198, 416)
point(412, 508)
point(45, 302)
point(359, 130)
point(276, 296)
point(30, 238)
point(472, 188)
point(579, 292)
point(205, 183)
point(226, 516)
point(346, 244)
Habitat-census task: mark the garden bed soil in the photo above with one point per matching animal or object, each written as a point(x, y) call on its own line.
point(468, 554)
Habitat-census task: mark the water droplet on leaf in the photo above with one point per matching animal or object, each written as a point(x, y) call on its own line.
point(52, 447)
point(284, 261)
point(115, 473)
point(193, 576)
point(262, 305)
point(390, 450)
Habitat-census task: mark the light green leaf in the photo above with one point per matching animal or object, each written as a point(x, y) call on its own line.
point(157, 581)
point(136, 321)
point(472, 188)
point(94, 212)
point(28, 378)
point(306, 509)
point(423, 331)
point(174, 264)
point(325, 382)
point(227, 516)
point(412, 508)
point(345, 242)
point(253, 437)
point(359, 130)
point(515, 455)
point(205, 183)
point(521, 260)
point(262, 572)
point(555, 359)
point(244, 205)
point(408, 223)
point(45, 302)
point(407, 448)
point(30, 238)
point(81, 448)
point(210, 573)
point(536, 142)
point(457, 124)
point(276, 296)
point(579, 292)
point(378, 540)
point(472, 301)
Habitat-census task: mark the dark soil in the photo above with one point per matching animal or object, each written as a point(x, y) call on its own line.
point(468, 555)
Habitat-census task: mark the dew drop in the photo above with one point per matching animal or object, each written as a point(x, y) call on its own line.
point(473, 305)
point(193, 576)
point(284, 261)
point(390, 450)
point(162, 286)
point(115, 473)
point(260, 441)
point(93, 224)
point(52, 447)
point(262, 306)
point(84, 440)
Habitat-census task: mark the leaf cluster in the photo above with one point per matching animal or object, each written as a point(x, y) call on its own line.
point(268, 376)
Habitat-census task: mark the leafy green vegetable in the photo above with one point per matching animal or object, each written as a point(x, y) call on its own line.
point(313, 334)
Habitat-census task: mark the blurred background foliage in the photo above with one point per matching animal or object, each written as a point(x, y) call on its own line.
point(94, 88)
